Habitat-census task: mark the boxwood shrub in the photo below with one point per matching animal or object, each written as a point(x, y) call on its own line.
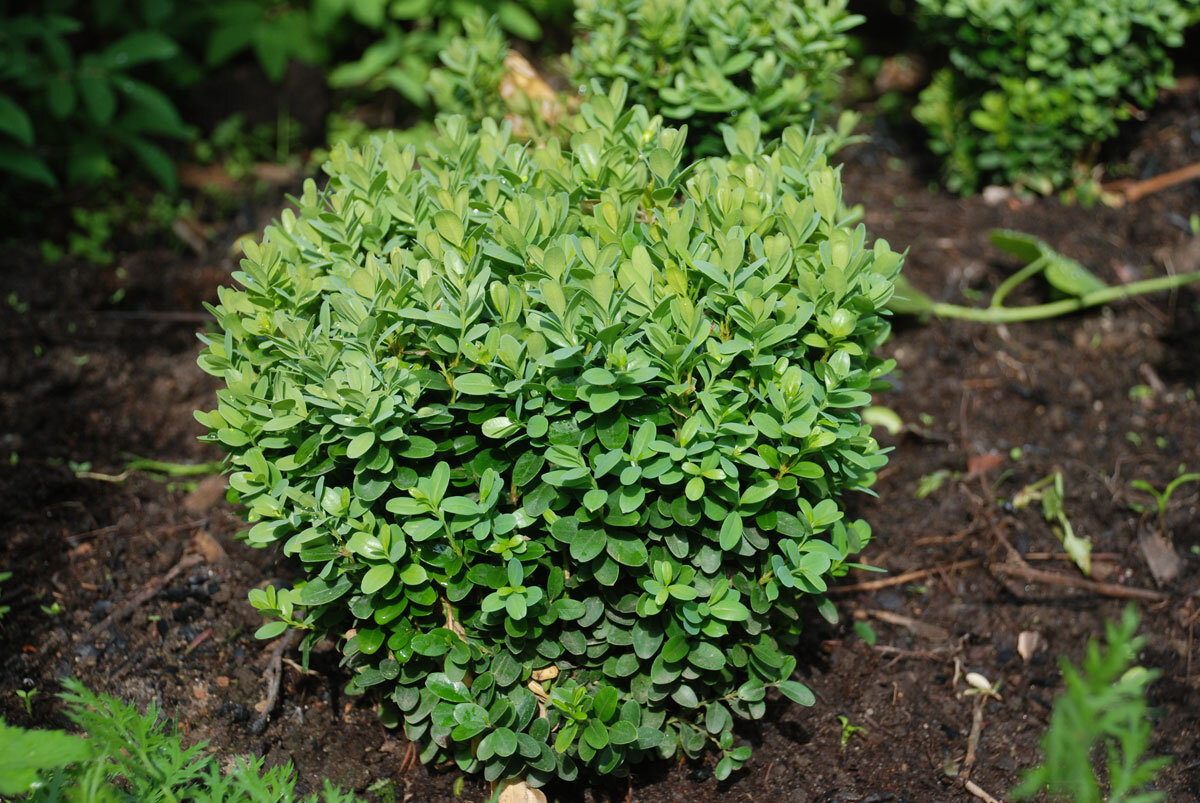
point(1035, 85)
point(558, 434)
point(705, 61)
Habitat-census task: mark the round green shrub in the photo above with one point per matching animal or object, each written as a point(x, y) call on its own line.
point(558, 434)
point(1035, 85)
point(705, 61)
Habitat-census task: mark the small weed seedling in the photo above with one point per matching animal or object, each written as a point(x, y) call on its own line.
point(1161, 498)
point(26, 696)
point(1104, 707)
point(931, 483)
point(849, 730)
point(1049, 490)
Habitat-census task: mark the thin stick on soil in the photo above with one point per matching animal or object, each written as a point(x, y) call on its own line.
point(976, 733)
point(1066, 581)
point(148, 593)
point(1140, 189)
point(274, 676)
point(906, 577)
point(975, 789)
point(112, 528)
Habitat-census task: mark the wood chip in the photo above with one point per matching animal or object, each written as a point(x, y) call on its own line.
point(209, 493)
point(520, 792)
point(1028, 643)
point(204, 544)
point(549, 673)
point(1164, 562)
point(522, 87)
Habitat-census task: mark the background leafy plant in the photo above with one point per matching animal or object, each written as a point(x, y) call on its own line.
point(1103, 708)
point(558, 435)
point(374, 44)
point(1034, 86)
point(89, 86)
point(481, 76)
point(77, 91)
point(472, 68)
point(129, 756)
point(706, 61)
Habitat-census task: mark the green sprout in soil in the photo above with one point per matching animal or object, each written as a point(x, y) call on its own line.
point(1104, 705)
point(849, 730)
point(1049, 490)
point(1162, 498)
point(930, 483)
point(1082, 288)
point(26, 696)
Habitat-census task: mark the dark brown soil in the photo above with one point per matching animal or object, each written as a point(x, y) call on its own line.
point(84, 380)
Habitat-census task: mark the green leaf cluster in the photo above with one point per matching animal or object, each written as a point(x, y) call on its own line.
point(129, 757)
point(1034, 85)
point(89, 86)
point(1103, 708)
point(403, 37)
point(78, 92)
point(472, 67)
point(478, 80)
point(558, 434)
point(705, 61)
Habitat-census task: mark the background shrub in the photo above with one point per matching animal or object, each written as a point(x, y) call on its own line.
point(558, 437)
point(481, 76)
point(705, 61)
point(78, 91)
point(91, 86)
point(1035, 85)
point(375, 44)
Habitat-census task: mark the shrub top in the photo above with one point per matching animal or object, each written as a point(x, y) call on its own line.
point(557, 435)
point(705, 61)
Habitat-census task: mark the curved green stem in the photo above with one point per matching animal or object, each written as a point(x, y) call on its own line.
point(1053, 309)
point(1032, 269)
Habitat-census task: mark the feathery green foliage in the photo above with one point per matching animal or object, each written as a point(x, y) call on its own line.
point(1035, 85)
point(129, 756)
point(1104, 706)
point(558, 436)
point(705, 62)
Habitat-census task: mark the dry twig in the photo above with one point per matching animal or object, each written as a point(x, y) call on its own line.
point(1067, 581)
point(975, 789)
point(152, 588)
point(906, 577)
point(1136, 190)
point(274, 676)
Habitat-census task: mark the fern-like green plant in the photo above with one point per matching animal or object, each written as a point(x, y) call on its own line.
point(1104, 706)
point(130, 757)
